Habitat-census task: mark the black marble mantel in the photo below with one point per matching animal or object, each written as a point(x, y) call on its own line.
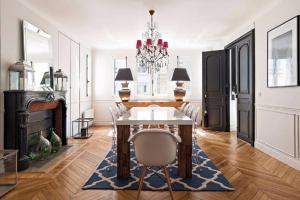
point(21, 108)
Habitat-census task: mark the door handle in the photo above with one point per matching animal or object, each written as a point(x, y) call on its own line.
point(205, 96)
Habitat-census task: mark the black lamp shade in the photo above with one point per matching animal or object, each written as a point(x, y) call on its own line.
point(180, 74)
point(124, 74)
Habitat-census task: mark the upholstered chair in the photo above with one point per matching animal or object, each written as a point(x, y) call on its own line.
point(155, 148)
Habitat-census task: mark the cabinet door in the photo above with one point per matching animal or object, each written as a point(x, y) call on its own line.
point(75, 81)
point(64, 63)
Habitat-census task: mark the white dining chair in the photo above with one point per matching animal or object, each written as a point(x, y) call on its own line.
point(194, 117)
point(190, 111)
point(185, 109)
point(155, 148)
point(122, 107)
point(114, 115)
point(155, 125)
point(181, 108)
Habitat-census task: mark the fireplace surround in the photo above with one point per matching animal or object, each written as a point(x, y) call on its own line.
point(27, 112)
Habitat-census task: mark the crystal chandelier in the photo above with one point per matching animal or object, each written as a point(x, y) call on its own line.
point(152, 53)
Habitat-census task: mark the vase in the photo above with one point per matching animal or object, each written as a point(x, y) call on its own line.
point(55, 140)
point(39, 150)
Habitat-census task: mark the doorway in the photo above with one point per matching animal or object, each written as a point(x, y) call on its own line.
point(228, 88)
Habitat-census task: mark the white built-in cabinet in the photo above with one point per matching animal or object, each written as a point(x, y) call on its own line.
point(69, 62)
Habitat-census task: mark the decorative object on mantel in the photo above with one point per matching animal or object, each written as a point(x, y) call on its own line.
point(283, 54)
point(61, 80)
point(47, 80)
point(21, 76)
point(8, 172)
point(152, 54)
point(179, 74)
point(124, 74)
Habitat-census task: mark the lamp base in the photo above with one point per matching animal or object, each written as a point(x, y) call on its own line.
point(124, 94)
point(179, 92)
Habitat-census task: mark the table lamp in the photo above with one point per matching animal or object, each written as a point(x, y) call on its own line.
point(124, 74)
point(180, 75)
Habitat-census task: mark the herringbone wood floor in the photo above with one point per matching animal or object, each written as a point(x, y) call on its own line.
point(254, 174)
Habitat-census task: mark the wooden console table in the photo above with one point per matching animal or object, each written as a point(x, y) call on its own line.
point(145, 103)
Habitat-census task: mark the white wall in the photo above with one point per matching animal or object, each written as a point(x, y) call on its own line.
point(103, 75)
point(12, 13)
point(277, 109)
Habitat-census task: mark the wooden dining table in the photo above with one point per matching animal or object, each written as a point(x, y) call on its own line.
point(154, 116)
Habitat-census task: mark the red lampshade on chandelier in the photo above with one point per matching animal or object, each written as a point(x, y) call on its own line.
point(152, 52)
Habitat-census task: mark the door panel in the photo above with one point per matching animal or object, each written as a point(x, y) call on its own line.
point(213, 75)
point(244, 68)
point(69, 62)
point(215, 90)
point(75, 95)
point(64, 64)
point(245, 87)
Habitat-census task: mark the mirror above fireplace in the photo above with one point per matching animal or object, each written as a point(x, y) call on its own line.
point(37, 48)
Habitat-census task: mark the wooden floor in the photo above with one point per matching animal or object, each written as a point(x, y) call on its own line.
point(254, 174)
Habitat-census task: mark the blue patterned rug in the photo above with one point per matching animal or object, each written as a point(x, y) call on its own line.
point(206, 176)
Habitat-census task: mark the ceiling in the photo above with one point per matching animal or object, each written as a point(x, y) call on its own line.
point(117, 24)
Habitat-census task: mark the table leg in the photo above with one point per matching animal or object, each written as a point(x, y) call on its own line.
point(123, 151)
point(185, 151)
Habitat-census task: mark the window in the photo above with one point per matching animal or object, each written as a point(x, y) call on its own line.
point(118, 63)
point(162, 86)
point(144, 82)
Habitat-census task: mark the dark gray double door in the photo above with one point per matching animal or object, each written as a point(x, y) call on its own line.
point(216, 87)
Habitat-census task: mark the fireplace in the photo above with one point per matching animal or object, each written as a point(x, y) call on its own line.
point(27, 112)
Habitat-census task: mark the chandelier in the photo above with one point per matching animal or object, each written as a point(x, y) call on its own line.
point(152, 54)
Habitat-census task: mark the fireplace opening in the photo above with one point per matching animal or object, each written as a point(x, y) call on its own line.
point(45, 132)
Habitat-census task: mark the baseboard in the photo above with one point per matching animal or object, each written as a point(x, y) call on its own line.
point(292, 162)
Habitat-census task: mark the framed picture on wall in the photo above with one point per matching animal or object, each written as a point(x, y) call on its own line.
point(283, 54)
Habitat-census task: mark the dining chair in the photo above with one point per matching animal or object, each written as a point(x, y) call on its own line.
point(182, 106)
point(155, 148)
point(122, 107)
point(190, 111)
point(194, 117)
point(114, 115)
point(119, 110)
point(155, 125)
point(185, 109)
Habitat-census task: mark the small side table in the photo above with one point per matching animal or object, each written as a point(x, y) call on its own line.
point(82, 130)
point(8, 170)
